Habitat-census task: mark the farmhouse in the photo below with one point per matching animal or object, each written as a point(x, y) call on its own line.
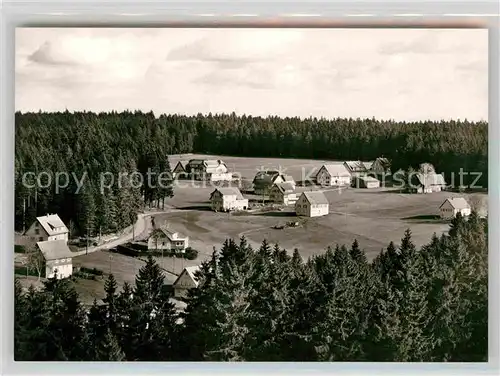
point(264, 180)
point(57, 258)
point(452, 206)
point(355, 167)
point(365, 182)
point(47, 227)
point(312, 204)
point(228, 199)
point(180, 170)
point(165, 239)
point(427, 183)
point(381, 166)
point(333, 175)
point(283, 193)
point(208, 169)
point(186, 280)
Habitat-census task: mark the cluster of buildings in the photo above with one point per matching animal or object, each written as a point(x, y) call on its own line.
point(202, 169)
point(50, 236)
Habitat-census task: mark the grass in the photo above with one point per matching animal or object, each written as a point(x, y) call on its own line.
point(372, 216)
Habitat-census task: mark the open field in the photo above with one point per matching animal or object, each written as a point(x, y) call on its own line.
point(374, 217)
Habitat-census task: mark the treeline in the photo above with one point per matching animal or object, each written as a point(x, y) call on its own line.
point(265, 305)
point(128, 142)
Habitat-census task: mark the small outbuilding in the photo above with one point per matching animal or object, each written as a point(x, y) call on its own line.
point(365, 182)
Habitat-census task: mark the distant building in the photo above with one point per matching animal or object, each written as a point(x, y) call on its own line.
point(179, 170)
point(208, 169)
point(333, 175)
point(228, 199)
point(368, 165)
point(312, 204)
point(381, 166)
point(58, 258)
point(165, 239)
point(186, 280)
point(427, 183)
point(264, 180)
point(426, 168)
point(47, 227)
point(283, 193)
point(366, 182)
point(452, 206)
point(355, 167)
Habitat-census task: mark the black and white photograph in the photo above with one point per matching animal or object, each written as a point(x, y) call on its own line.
point(251, 194)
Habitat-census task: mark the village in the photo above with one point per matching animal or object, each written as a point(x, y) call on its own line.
point(273, 204)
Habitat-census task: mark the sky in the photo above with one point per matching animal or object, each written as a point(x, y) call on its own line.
point(400, 74)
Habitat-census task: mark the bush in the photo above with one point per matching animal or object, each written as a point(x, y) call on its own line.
point(191, 254)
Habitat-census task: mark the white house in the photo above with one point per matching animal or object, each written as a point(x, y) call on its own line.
point(312, 204)
point(366, 182)
point(208, 169)
point(165, 239)
point(427, 183)
point(333, 175)
point(47, 227)
point(186, 280)
point(228, 199)
point(58, 258)
point(283, 193)
point(452, 206)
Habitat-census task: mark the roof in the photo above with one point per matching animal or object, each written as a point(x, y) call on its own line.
point(206, 162)
point(287, 178)
point(368, 165)
point(170, 234)
point(191, 271)
point(285, 187)
point(316, 197)
point(54, 249)
point(336, 169)
point(383, 162)
point(457, 203)
point(181, 164)
point(355, 166)
point(367, 178)
point(50, 223)
point(266, 177)
point(431, 179)
point(229, 191)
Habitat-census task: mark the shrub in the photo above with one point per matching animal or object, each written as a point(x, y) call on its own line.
point(191, 254)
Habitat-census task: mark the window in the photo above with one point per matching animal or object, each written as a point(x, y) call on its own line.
point(37, 231)
point(40, 239)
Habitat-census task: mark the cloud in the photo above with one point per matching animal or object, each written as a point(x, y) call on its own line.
point(391, 73)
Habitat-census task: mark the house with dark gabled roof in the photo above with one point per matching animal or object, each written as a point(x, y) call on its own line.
point(283, 193)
